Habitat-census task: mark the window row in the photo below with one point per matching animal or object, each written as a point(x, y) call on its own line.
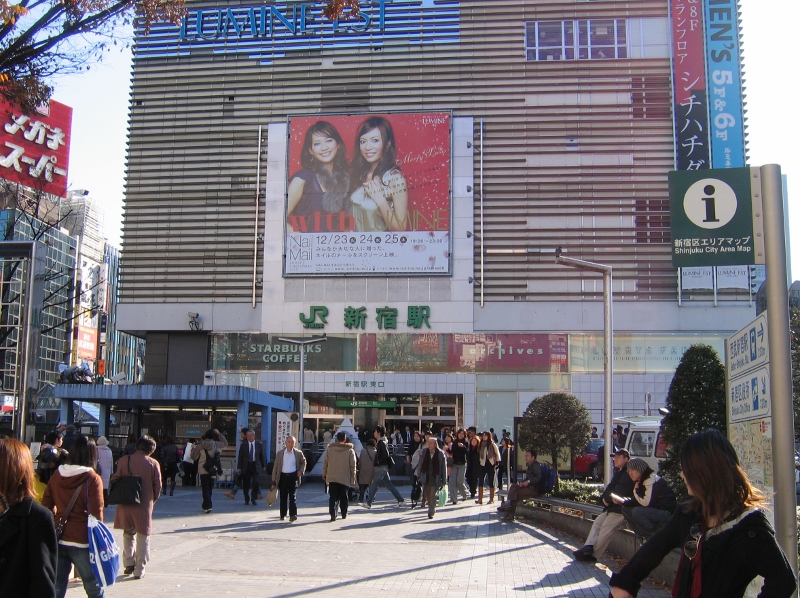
point(584, 39)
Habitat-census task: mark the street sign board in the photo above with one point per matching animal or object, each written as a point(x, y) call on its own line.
point(748, 348)
point(367, 404)
point(714, 218)
point(749, 396)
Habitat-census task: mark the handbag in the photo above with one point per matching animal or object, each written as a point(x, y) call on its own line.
point(272, 496)
point(126, 490)
point(442, 497)
point(103, 551)
point(62, 521)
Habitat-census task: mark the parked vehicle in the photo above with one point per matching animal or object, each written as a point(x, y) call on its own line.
point(644, 438)
point(586, 462)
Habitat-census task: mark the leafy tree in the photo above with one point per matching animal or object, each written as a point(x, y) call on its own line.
point(696, 402)
point(553, 423)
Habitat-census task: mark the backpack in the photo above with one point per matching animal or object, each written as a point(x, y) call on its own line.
point(213, 465)
point(548, 483)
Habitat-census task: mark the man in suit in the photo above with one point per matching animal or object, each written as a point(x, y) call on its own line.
point(250, 464)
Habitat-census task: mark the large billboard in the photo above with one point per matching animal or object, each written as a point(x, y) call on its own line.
point(34, 149)
point(368, 194)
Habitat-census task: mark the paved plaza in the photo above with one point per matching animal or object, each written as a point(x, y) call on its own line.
point(247, 552)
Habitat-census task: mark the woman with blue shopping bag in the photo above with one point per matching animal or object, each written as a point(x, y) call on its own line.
point(74, 493)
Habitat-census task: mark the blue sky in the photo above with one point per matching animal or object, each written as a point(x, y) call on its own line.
point(100, 102)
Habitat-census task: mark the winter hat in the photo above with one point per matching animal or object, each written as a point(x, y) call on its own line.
point(639, 465)
point(102, 441)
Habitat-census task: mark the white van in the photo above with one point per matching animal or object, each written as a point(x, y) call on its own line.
point(644, 438)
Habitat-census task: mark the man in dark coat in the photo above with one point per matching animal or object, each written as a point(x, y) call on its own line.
point(528, 488)
point(250, 464)
point(611, 519)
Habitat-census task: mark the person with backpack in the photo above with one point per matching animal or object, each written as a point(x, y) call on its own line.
point(383, 462)
point(206, 455)
point(528, 488)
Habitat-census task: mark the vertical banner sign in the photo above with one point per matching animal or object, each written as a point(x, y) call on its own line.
point(725, 86)
point(690, 111)
point(749, 402)
point(283, 429)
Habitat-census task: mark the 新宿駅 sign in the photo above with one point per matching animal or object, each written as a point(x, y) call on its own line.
point(715, 219)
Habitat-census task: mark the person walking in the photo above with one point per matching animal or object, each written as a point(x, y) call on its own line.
point(611, 518)
point(237, 483)
point(458, 470)
point(528, 488)
point(250, 464)
point(383, 461)
point(136, 521)
point(189, 466)
point(204, 454)
point(506, 462)
point(339, 472)
point(489, 463)
point(50, 456)
point(105, 465)
point(366, 468)
point(433, 473)
point(726, 537)
point(287, 473)
point(654, 500)
point(474, 469)
point(28, 544)
point(76, 478)
point(172, 456)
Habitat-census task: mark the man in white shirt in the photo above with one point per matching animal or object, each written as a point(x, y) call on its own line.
point(290, 465)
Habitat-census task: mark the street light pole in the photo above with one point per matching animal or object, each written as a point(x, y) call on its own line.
point(302, 344)
point(608, 338)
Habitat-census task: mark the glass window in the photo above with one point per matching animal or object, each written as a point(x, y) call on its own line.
point(642, 444)
point(582, 39)
point(661, 448)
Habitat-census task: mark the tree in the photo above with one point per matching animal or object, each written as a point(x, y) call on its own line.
point(553, 423)
point(43, 38)
point(696, 402)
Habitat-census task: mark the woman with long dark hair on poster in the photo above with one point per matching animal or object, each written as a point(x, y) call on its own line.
point(379, 192)
point(318, 193)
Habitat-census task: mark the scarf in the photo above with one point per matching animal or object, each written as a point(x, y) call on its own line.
point(337, 185)
point(426, 462)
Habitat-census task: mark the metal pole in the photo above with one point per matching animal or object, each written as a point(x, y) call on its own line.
point(608, 369)
point(302, 380)
point(608, 343)
point(780, 362)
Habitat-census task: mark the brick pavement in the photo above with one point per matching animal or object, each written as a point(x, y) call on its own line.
point(246, 551)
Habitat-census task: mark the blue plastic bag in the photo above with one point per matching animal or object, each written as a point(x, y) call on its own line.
point(103, 552)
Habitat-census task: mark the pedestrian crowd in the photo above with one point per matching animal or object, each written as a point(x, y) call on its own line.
point(725, 536)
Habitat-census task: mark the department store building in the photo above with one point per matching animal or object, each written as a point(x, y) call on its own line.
point(515, 127)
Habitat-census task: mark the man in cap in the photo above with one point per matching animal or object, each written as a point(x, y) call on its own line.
point(603, 528)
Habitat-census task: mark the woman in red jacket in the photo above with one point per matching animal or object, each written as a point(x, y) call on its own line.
point(79, 473)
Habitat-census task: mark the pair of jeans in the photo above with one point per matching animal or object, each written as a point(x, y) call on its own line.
point(645, 521)
point(457, 475)
point(135, 550)
point(381, 477)
point(288, 491)
point(74, 555)
point(338, 499)
point(207, 485)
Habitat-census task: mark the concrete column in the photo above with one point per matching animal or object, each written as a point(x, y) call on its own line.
point(266, 431)
point(67, 411)
point(242, 413)
point(102, 421)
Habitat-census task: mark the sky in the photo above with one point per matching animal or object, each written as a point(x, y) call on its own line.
point(99, 99)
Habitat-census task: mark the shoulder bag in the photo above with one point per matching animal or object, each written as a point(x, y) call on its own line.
point(62, 520)
point(126, 490)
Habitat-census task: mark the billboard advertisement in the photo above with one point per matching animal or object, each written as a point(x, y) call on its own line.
point(368, 194)
point(34, 150)
point(87, 343)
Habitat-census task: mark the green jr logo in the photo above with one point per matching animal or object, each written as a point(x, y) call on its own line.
point(317, 311)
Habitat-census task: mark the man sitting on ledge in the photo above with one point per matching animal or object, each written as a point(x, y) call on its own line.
point(528, 488)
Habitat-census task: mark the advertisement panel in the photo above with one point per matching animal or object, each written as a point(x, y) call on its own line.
point(690, 111)
point(368, 194)
point(725, 84)
point(87, 343)
point(34, 150)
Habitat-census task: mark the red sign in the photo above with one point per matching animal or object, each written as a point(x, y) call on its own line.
point(508, 352)
point(34, 150)
point(87, 343)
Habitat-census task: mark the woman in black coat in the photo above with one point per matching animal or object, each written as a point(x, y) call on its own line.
point(727, 540)
point(28, 547)
point(474, 468)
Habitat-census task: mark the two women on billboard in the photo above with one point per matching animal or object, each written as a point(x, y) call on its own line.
point(328, 195)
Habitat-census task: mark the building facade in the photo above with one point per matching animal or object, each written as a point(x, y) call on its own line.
point(518, 127)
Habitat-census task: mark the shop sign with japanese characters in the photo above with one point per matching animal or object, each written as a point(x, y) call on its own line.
point(34, 149)
point(690, 111)
point(714, 218)
point(725, 83)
